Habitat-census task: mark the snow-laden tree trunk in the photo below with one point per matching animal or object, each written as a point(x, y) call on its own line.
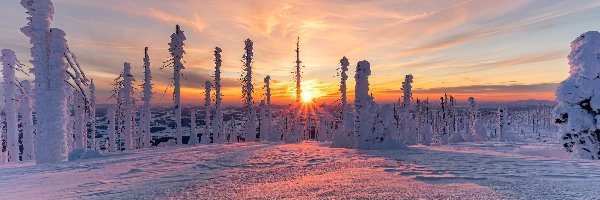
point(577, 113)
point(79, 125)
point(176, 51)
point(147, 98)
point(207, 135)
point(27, 121)
point(217, 125)
point(127, 101)
point(193, 131)
point(361, 104)
point(249, 130)
point(111, 122)
point(92, 118)
point(9, 66)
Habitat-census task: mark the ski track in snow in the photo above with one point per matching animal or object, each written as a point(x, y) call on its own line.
point(311, 170)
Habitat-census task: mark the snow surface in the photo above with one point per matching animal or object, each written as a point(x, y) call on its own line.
point(310, 170)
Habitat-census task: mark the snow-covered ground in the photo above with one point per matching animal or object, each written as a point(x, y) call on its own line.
point(311, 170)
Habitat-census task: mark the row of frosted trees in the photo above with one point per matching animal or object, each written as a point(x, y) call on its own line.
point(65, 106)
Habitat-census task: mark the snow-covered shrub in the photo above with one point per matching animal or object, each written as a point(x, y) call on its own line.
point(383, 136)
point(176, 51)
point(578, 109)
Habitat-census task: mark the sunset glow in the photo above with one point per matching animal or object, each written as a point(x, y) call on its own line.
point(460, 47)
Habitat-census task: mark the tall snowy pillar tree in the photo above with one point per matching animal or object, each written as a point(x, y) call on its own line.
point(249, 129)
point(217, 125)
point(147, 98)
point(128, 104)
point(578, 111)
point(9, 66)
point(341, 136)
point(361, 104)
point(176, 51)
point(48, 51)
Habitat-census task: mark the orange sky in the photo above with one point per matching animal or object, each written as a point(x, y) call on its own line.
point(492, 50)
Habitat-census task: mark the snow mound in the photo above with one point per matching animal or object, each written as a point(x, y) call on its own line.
point(81, 154)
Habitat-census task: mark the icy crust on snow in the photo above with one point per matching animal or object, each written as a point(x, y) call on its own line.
point(309, 170)
point(578, 109)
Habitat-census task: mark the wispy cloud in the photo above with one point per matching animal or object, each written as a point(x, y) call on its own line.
point(441, 42)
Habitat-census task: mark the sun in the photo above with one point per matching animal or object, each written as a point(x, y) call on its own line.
point(307, 96)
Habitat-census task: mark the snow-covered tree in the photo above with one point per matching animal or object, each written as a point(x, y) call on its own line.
point(92, 118)
point(176, 51)
point(502, 129)
point(268, 115)
point(455, 136)
point(49, 52)
point(362, 103)
point(111, 122)
point(406, 122)
point(249, 128)
point(11, 100)
point(27, 121)
point(79, 125)
point(193, 131)
point(341, 136)
point(128, 106)
point(217, 125)
point(207, 135)
point(146, 113)
point(578, 111)
point(407, 90)
point(476, 127)
point(298, 73)
point(425, 128)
